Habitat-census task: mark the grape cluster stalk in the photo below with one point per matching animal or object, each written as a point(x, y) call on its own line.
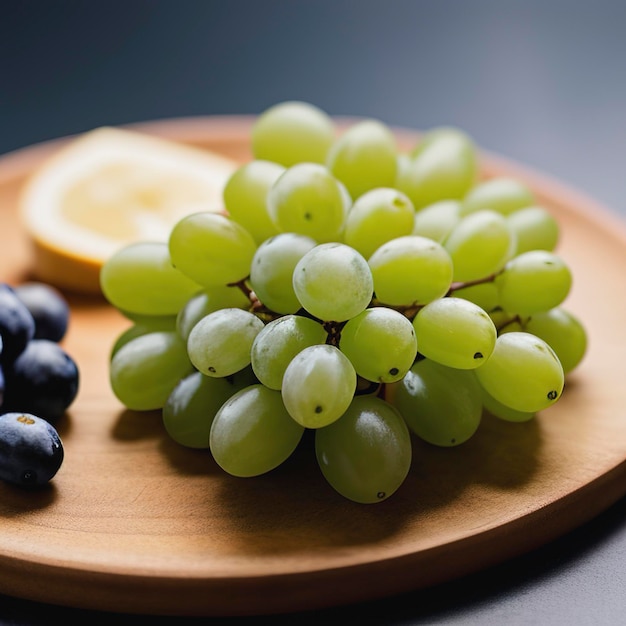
point(369, 295)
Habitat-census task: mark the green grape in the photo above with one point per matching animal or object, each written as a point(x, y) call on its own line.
point(455, 332)
point(403, 163)
point(147, 325)
point(139, 279)
point(366, 454)
point(501, 194)
point(192, 405)
point(208, 301)
point(144, 371)
point(535, 229)
point(271, 273)
point(442, 167)
point(220, 343)
point(292, 132)
point(485, 295)
point(252, 433)
point(364, 157)
point(333, 282)
point(410, 270)
point(436, 220)
point(380, 343)
point(376, 217)
point(440, 404)
point(149, 319)
point(307, 199)
point(479, 245)
point(279, 342)
point(318, 385)
point(533, 282)
point(211, 249)
point(563, 332)
point(523, 373)
point(245, 197)
point(503, 412)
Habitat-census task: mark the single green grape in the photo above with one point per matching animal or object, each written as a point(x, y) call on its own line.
point(366, 454)
point(364, 157)
point(523, 373)
point(145, 370)
point(503, 412)
point(279, 342)
point(252, 433)
point(502, 194)
point(143, 327)
point(245, 197)
point(403, 162)
point(479, 245)
point(271, 272)
point(410, 270)
point(211, 249)
point(192, 405)
point(376, 217)
point(208, 301)
point(442, 167)
point(220, 343)
point(139, 279)
point(437, 220)
point(533, 282)
point(380, 343)
point(293, 132)
point(149, 319)
point(563, 332)
point(318, 385)
point(441, 405)
point(535, 228)
point(485, 295)
point(333, 282)
point(307, 199)
point(455, 332)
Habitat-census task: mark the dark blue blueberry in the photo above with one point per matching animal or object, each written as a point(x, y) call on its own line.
point(1, 386)
point(31, 451)
point(48, 307)
point(17, 326)
point(42, 380)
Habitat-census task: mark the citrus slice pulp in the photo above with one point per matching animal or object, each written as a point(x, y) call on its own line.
point(107, 188)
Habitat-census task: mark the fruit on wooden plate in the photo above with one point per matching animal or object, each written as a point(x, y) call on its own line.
point(38, 375)
point(38, 382)
point(376, 311)
point(32, 451)
point(107, 188)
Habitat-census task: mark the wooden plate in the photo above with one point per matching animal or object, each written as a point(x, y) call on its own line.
point(135, 523)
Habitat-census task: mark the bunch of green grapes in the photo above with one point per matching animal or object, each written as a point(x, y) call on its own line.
point(369, 295)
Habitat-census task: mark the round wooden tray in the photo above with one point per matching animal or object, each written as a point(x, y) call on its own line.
point(132, 522)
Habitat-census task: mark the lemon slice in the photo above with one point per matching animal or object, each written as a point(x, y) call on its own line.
point(110, 187)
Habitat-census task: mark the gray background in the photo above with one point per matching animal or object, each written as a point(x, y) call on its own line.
point(539, 81)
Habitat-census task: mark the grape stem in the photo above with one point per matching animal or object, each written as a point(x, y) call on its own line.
point(512, 320)
point(256, 306)
point(333, 332)
point(411, 310)
point(471, 283)
point(333, 329)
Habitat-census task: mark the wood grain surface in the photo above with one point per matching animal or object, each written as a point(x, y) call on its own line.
point(135, 523)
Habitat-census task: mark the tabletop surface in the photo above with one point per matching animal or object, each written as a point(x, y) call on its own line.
point(539, 82)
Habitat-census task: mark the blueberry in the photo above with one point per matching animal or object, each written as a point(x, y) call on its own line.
point(17, 326)
point(31, 451)
point(48, 307)
point(42, 380)
point(1, 385)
